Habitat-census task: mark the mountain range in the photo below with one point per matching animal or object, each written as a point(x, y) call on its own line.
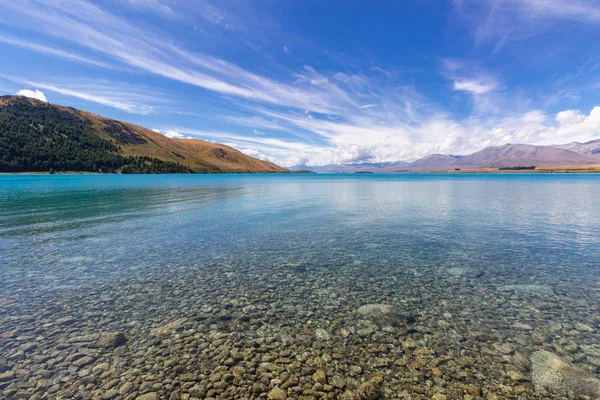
point(40, 137)
point(494, 157)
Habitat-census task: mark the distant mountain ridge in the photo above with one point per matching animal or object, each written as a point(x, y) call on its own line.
point(39, 137)
point(591, 148)
point(505, 156)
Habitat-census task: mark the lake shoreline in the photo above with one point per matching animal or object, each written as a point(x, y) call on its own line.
point(568, 169)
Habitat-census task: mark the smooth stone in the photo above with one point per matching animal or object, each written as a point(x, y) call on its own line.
point(197, 391)
point(368, 391)
point(337, 382)
point(98, 369)
point(83, 361)
point(110, 394)
point(111, 339)
point(319, 376)
point(66, 321)
point(277, 394)
point(322, 334)
point(7, 376)
point(522, 326)
point(583, 327)
point(552, 376)
point(168, 327)
point(258, 388)
point(125, 388)
point(384, 314)
point(28, 347)
point(149, 396)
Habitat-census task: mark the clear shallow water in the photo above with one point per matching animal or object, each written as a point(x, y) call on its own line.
point(513, 257)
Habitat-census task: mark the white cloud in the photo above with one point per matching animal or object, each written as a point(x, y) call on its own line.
point(173, 135)
point(286, 50)
point(34, 94)
point(475, 86)
point(253, 153)
point(575, 126)
point(569, 117)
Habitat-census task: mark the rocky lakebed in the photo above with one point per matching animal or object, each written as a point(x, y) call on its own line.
point(223, 329)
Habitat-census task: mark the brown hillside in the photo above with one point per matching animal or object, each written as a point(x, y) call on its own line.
point(199, 155)
point(133, 140)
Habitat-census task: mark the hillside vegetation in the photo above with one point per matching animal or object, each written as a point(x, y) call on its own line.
point(41, 137)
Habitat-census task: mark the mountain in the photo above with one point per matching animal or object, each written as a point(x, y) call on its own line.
point(435, 161)
point(590, 148)
point(506, 156)
point(512, 155)
point(38, 136)
point(353, 168)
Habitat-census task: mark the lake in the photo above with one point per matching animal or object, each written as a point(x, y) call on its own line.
point(410, 286)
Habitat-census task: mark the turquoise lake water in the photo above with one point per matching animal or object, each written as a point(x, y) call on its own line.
point(472, 263)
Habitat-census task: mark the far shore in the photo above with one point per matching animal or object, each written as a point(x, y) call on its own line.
point(567, 169)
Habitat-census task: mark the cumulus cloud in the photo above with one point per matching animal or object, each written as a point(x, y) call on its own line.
point(575, 126)
point(569, 117)
point(34, 94)
point(172, 134)
point(253, 153)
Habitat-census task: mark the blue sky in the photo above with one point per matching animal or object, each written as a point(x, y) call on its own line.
point(317, 82)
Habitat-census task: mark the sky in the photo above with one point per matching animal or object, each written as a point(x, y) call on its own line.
point(317, 82)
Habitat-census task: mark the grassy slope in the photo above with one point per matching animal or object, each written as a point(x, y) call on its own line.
point(199, 155)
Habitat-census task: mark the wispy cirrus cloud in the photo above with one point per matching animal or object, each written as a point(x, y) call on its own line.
point(94, 28)
point(159, 6)
point(122, 96)
point(7, 39)
point(502, 21)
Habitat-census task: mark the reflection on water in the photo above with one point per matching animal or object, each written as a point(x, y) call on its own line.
point(255, 286)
